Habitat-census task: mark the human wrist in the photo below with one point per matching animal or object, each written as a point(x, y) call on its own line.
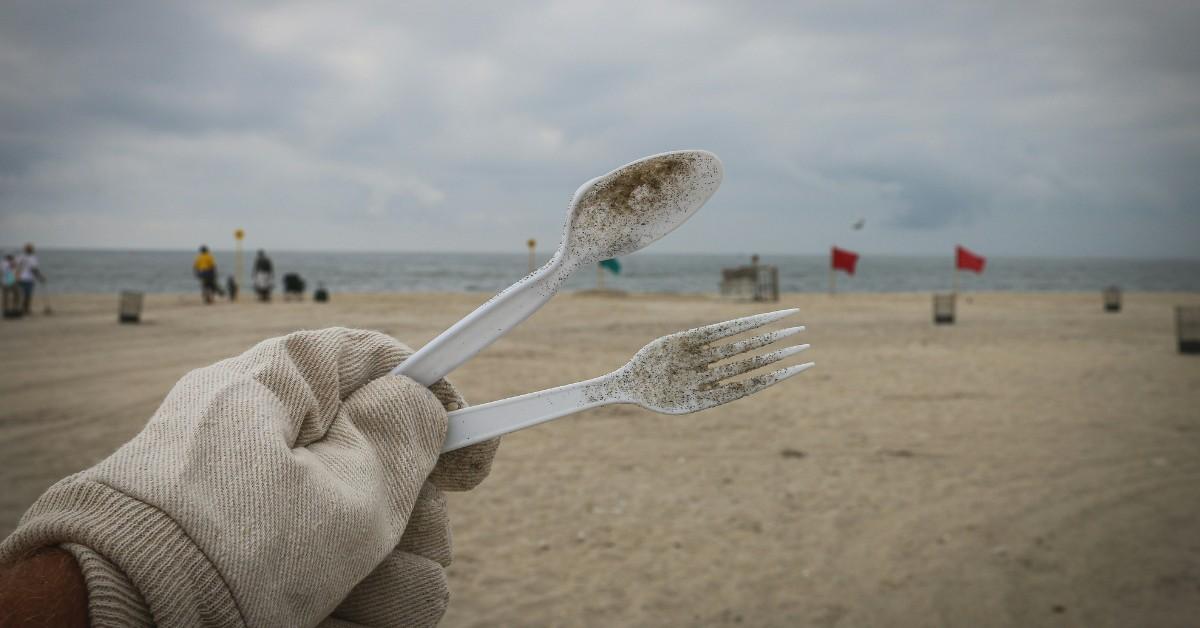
point(44, 587)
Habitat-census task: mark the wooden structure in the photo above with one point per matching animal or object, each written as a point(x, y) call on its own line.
point(756, 282)
point(1112, 299)
point(943, 308)
point(1187, 328)
point(129, 309)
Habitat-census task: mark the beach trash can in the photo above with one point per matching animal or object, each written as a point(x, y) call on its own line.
point(130, 307)
point(1112, 299)
point(1187, 328)
point(943, 309)
point(12, 302)
point(321, 295)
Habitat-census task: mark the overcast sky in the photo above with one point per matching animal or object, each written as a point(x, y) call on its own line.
point(1052, 128)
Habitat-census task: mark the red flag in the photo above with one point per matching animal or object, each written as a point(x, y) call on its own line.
point(841, 259)
point(966, 260)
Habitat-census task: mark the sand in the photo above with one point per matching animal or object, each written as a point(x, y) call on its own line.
point(1037, 463)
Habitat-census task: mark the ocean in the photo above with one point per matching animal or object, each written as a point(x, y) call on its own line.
point(71, 271)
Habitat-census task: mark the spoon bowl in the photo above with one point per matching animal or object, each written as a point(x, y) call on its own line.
point(609, 216)
point(629, 208)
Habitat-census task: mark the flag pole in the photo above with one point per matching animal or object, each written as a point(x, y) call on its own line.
point(832, 281)
point(955, 281)
point(238, 235)
point(599, 276)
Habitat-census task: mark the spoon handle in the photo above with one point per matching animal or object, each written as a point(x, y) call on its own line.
point(484, 326)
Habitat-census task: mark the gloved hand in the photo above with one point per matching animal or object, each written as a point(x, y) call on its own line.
point(270, 489)
point(409, 587)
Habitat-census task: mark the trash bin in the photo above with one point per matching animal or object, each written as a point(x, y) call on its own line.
point(1187, 328)
point(943, 309)
point(1112, 299)
point(130, 308)
point(13, 302)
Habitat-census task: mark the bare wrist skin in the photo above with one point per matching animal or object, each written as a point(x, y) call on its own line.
point(43, 588)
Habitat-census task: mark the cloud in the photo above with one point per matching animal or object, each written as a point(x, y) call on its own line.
point(446, 126)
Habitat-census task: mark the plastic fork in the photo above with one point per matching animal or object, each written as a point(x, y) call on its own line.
point(675, 374)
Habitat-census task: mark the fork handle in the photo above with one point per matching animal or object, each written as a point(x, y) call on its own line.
point(479, 423)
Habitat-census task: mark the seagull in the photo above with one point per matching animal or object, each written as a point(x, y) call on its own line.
point(859, 224)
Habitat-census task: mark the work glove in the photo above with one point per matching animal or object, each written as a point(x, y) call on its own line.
point(409, 587)
point(294, 484)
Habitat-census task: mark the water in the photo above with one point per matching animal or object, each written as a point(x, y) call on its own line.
point(170, 271)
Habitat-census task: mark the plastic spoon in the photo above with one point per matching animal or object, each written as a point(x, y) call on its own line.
point(609, 216)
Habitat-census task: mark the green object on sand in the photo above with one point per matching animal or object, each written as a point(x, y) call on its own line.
point(612, 265)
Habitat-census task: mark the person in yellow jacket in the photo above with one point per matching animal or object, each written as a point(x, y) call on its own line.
point(205, 268)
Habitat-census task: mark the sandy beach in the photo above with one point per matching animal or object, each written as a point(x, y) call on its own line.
point(1035, 464)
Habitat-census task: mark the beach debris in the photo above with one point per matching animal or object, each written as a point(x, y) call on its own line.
point(792, 453)
point(676, 374)
point(609, 216)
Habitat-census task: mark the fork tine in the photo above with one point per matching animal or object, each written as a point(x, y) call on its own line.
point(716, 331)
point(725, 371)
point(736, 390)
point(750, 344)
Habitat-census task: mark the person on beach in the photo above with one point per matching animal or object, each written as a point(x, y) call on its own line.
point(264, 276)
point(298, 484)
point(27, 272)
point(205, 267)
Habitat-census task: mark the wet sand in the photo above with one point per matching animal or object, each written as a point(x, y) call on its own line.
point(1037, 463)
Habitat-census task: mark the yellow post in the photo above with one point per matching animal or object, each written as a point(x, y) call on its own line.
point(238, 236)
point(532, 244)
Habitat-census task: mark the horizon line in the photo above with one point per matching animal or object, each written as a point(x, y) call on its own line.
point(547, 252)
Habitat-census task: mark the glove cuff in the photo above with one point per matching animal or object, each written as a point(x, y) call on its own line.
point(112, 598)
point(129, 546)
